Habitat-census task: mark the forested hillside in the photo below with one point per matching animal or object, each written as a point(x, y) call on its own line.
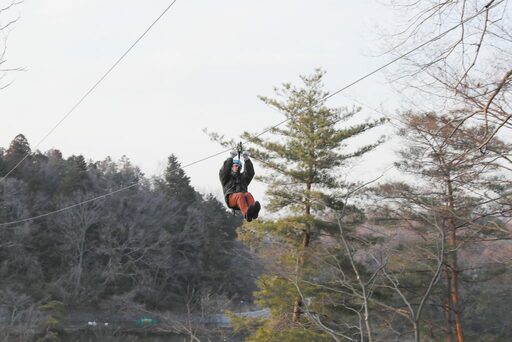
point(159, 245)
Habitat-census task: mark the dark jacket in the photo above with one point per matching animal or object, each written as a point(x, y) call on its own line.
point(233, 183)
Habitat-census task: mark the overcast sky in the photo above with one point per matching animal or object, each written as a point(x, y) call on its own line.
point(202, 66)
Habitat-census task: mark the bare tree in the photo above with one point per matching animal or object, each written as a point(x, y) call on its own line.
point(468, 68)
point(7, 20)
point(19, 316)
point(74, 226)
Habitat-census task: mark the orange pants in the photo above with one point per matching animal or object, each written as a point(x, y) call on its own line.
point(241, 201)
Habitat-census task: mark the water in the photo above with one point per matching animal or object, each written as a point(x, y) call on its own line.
point(127, 338)
point(89, 336)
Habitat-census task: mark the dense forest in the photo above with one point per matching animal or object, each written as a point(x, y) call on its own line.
point(160, 244)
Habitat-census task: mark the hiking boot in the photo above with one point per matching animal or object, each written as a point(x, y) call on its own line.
point(257, 208)
point(250, 213)
point(247, 216)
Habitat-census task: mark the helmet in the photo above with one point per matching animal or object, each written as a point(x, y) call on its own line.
point(237, 161)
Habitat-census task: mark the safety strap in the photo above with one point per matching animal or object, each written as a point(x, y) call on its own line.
point(239, 149)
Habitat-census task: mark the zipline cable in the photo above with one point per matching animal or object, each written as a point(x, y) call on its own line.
point(91, 89)
point(266, 130)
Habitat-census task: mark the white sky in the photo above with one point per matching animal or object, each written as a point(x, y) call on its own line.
point(202, 66)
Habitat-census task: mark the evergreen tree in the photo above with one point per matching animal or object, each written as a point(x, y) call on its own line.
point(74, 176)
point(304, 160)
point(53, 171)
point(306, 157)
point(177, 182)
point(19, 149)
point(2, 162)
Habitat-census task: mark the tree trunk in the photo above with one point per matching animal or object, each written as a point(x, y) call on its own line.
point(416, 331)
point(296, 309)
point(307, 236)
point(305, 243)
point(452, 265)
point(298, 301)
point(447, 310)
point(452, 304)
point(454, 297)
point(79, 266)
point(431, 330)
point(307, 212)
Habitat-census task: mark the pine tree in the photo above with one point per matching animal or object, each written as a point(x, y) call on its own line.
point(75, 175)
point(2, 162)
point(19, 149)
point(177, 182)
point(304, 159)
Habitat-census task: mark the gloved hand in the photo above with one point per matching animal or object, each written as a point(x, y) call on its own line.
point(232, 154)
point(246, 155)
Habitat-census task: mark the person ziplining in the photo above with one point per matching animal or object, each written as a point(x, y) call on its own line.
point(235, 183)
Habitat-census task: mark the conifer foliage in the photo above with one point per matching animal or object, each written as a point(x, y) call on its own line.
point(304, 160)
point(304, 157)
point(178, 183)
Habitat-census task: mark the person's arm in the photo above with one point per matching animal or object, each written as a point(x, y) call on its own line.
point(248, 173)
point(225, 170)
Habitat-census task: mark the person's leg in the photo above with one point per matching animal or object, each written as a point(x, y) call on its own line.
point(254, 206)
point(249, 198)
point(257, 208)
point(238, 201)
